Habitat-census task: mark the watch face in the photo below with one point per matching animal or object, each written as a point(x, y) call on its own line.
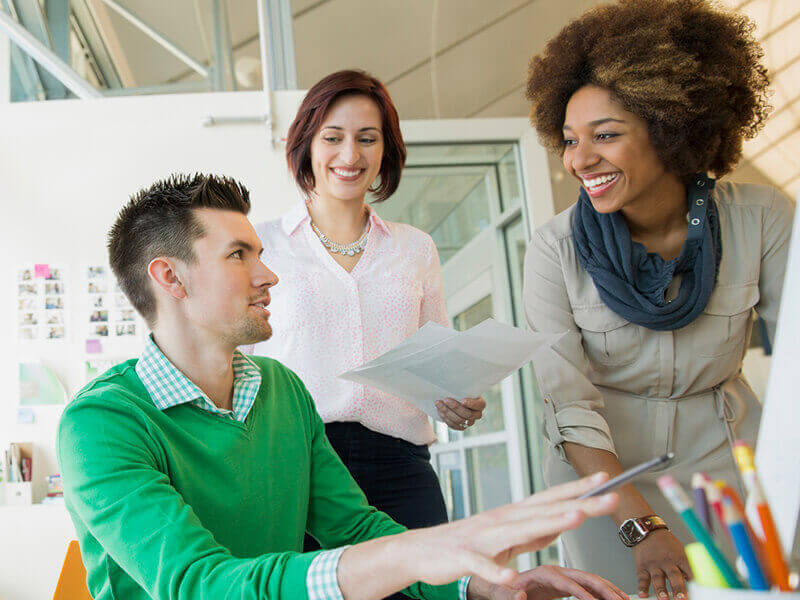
point(631, 532)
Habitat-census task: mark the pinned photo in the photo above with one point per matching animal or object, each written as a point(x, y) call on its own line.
point(27, 333)
point(97, 287)
point(127, 315)
point(101, 330)
point(99, 316)
point(96, 271)
point(28, 318)
point(126, 330)
point(121, 301)
point(27, 289)
point(51, 302)
point(55, 274)
point(98, 302)
point(55, 333)
point(55, 318)
point(25, 275)
point(53, 287)
point(27, 304)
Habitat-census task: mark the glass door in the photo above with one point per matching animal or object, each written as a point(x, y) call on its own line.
point(471, 197)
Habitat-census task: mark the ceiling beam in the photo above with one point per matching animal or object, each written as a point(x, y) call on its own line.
point(774, 143)
point(496, 99)
point(30, 15)
point(157, 37)
point(785, 106)
point(102, 40)
point(24, 73)
point(778, 28)
point(47, 58)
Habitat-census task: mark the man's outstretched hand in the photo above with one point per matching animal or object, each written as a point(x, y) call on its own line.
point(479, 546)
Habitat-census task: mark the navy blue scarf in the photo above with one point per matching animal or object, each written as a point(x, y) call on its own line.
point(633, 282)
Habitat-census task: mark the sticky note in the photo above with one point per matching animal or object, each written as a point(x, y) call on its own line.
point(41, 271)
point(93, 346)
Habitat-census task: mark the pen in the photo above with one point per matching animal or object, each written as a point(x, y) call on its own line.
point(628, 475)
point(734, 521)
point(772, 547)
point(680, 503)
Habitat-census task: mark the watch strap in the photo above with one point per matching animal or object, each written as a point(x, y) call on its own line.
point(654, 522)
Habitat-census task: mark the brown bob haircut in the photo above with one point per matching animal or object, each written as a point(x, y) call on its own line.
point(312, 113)
point(692, 71)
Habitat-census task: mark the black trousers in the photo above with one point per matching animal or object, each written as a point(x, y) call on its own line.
point(395, 475)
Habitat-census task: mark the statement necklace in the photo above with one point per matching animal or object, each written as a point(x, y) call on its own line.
point(345, 249)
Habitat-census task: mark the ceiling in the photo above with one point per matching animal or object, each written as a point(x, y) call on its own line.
point(439, 58)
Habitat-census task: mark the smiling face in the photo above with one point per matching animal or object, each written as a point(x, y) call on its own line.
point(347, 150)
point(227, 286)
point(608, 150)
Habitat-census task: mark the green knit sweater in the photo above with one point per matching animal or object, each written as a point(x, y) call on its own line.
point(185, 504)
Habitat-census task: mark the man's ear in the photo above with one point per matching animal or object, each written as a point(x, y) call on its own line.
point(163, 272)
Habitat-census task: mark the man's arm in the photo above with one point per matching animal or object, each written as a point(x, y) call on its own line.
point(481, 545)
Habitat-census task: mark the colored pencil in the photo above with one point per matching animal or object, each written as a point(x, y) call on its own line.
point(756, 535)
point(704, 569)
point(714, 496)
point(735, 522)
point(772, 546)
point(680, 502)
point(701, 501)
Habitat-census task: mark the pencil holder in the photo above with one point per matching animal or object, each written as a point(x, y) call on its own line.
point(697, 592)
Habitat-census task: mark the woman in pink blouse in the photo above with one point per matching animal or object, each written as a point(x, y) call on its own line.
point(353, 286)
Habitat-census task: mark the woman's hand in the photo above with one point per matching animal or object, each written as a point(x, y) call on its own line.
point(660, 558)
point(547, 582)
point(460, 414)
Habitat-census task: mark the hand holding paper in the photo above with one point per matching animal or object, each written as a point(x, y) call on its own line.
point(437, 362)
point(460, 414)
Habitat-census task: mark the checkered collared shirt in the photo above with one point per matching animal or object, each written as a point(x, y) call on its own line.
point(168, 387)
point(322, 583)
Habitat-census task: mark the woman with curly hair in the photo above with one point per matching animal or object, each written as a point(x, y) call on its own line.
point(654, 274)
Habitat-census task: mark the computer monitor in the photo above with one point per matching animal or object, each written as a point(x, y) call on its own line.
point(778, 450)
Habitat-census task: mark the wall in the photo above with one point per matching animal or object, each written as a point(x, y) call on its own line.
point(66, 167)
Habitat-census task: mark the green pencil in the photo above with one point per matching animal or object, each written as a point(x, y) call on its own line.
point(674, 493)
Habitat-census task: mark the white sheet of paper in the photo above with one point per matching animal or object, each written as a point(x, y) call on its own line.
point(437, 362)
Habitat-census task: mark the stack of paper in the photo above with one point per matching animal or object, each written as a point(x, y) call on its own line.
point(437, 362)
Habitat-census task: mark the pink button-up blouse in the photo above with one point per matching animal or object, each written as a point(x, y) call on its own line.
point(326, 321)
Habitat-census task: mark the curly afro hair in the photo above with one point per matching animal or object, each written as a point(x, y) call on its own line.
point(691, 71)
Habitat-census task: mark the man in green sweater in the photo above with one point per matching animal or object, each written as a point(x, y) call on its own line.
point(194, 471)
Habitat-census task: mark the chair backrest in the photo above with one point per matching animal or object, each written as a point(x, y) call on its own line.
point(72, 581)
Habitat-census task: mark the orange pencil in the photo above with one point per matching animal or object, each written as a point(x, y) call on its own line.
point(773, 552)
